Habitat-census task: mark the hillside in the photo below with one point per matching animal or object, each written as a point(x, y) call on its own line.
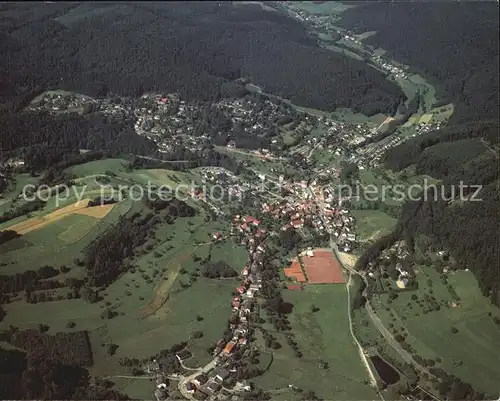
point(452, 44)
point(455, 45)
point(177, 47)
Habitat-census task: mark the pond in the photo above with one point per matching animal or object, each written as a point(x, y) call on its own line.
point(386, 372)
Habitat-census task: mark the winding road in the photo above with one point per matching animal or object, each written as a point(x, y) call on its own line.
point(405, 355)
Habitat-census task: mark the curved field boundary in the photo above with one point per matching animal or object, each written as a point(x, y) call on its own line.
point(111, 217)
point(98, 212)
point(38, 222)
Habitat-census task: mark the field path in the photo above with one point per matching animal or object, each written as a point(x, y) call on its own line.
point(405, 355)
point(164, 284)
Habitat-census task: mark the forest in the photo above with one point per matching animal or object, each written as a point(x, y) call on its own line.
point(24, 377)
point(44, 140)
point(455, 46)
point(194, 49)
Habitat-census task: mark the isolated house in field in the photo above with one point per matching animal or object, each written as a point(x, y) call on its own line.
point(190, 387)
point(184, 354)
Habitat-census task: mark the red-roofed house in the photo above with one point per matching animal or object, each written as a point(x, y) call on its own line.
point(297, 223)
point(251, 220)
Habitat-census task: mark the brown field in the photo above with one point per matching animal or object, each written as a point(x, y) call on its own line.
point(80, 207)
point(348, 258)
point(323, 267)
point(38, 222)
point(96, 211)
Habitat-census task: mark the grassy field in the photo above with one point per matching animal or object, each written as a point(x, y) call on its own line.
point(442, 113)
point(57, 243)
point(136, 335)
point(348, 116)
point(164, 267)
point(322, 335)
point(327, 7)
point(372, 224)
point(470, 353)
point(14, 189)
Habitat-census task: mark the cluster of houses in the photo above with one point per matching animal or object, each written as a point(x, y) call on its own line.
point(317, 207)
point(162, 119)
point(373, 154)
point(169, 121)
point(209, 383)
point(58, 101)
point(343, 135)
point(233, 185)
point(398, 254)
point(396, 72)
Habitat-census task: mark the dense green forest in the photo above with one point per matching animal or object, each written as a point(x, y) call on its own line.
point(453, 44)
point(456, 46)
point(190, 48)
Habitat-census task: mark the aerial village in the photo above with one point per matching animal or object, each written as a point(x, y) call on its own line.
point(327, 25)
point(208, 382)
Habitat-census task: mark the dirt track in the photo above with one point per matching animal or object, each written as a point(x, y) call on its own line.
point(162, 288)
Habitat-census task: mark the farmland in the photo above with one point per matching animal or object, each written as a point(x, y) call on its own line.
point(372, 224)
point(36, 223)
point(324, 336)
point(156, 304)
point(466, 319)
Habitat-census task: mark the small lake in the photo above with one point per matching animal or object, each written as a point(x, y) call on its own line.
point(386, 372)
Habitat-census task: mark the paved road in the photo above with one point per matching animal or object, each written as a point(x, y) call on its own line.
point(349, 311)
point(405, 355)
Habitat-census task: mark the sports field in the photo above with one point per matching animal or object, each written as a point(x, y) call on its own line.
point(323, 268)
point(294, 272)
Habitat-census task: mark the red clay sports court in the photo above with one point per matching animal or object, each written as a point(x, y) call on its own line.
point(323, 268)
